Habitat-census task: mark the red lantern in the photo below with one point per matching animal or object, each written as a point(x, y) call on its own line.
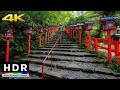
point(89, 25)
point(29, 33)
point(8, 35)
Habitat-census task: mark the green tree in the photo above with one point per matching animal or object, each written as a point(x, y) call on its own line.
point(18, 46)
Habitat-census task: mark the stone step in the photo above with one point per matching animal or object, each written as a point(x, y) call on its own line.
point(64, 45)
point(60, 49)
point(61, 56)
point(68, 47)
point(60, 40)
point(77, 66)
point(77, 54)
point(67, 74)
point(48, 73)
point(67, 58)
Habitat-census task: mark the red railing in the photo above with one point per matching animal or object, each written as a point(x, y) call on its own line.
point(49, 53)
point(95, 43)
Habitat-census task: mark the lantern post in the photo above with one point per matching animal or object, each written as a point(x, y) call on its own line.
point(79, 28)
point(89, 27)
point(40, 31)
point(109, 25)
point(29, 32)
point(8, 35)
point(44, 35)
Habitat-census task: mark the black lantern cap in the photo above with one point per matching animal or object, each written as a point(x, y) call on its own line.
point(109, 18)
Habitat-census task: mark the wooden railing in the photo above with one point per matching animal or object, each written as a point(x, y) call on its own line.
point(113, 47)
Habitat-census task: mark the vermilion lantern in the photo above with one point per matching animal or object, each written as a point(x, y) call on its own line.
point(8, 35)
point(40, 31)
point(79, 28)
point(89, 25)
point(109, 22)
point(29, 33)
point(30, 30)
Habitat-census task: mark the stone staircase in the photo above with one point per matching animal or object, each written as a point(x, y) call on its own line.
point(70, 61)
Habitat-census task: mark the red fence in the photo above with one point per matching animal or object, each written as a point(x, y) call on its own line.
point(114, 46)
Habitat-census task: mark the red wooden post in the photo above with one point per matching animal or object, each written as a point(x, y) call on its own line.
point(67, 30)
point(96, 45)
point(48, 35)
point(76, 35)
point(7, 50)
point(109, 46)
point(73, 34)
point(80, 37)
point(29, 36)
point(49, 32)
point(40, 40)
point(116, 45)
point(86, 41)
point(89, 40)
point(117, 54)
point(45, 38)
point(40, 31)
point(70, 32)
point(52, 31)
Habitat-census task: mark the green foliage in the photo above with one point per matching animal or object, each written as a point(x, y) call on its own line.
point(96, 30)
point(107, 13)
point(18, 46)
point(75, 20)
point(113, 66)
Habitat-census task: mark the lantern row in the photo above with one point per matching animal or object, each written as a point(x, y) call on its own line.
point(46, 30)
point(108, 25)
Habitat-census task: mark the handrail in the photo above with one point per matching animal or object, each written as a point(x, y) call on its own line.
point(50, 53)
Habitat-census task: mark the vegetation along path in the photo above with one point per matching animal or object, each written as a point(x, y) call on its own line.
point(70, 61)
